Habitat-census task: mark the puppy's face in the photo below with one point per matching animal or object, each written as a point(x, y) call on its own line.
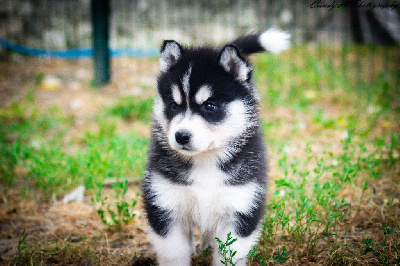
point(204, 98)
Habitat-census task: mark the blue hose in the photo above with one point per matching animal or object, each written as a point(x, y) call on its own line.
point(75, 53)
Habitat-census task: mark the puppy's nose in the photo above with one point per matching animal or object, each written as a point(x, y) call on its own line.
point(182, 137)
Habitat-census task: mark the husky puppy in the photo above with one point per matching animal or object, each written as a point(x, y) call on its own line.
point(207, 161)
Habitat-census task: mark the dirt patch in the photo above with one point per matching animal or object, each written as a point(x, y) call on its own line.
point(73, 225)
point(68, 83)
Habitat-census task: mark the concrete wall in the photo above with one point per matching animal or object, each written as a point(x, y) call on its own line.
point(62, 24)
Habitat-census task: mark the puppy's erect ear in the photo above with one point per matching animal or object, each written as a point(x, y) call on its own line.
point(234, 63)
point(170, 53)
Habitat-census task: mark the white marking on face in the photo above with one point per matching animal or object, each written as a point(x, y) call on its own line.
point(185, 81)
point(236, 122)
point(158, 112)
point(176, 94)
point(206, 137)
point(203, 94)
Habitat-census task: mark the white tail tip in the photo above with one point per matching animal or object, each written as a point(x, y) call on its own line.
point(274, 40)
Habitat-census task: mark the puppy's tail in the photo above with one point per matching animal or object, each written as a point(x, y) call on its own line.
point(272, 40)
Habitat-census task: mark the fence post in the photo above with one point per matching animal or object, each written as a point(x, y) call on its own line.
point(100, 36)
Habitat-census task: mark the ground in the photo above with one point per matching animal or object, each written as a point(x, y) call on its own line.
point(333, 158)
point(68, 87)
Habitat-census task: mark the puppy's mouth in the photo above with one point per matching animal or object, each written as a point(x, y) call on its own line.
point(185, 148)
point(182, 147)
point(188, 150)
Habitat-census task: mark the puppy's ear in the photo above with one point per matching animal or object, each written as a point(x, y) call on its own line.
point(170, 54)
point(234, 63)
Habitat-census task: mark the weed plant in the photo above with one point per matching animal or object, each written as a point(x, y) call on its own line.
point(225, 250)
point(389, 245)
point(119, 211)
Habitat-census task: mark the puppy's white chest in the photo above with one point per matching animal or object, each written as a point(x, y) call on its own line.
point(212, 199)
point(208, 198)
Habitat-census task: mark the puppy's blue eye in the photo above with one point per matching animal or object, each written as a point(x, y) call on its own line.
point(173, 106)
point(210, 107)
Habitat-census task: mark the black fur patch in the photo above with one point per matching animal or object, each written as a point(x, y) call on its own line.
point(249, 164)
point(246, 223)
point(249, 44)
point(158, 217)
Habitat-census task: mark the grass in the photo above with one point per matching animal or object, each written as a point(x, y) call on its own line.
point(323, 187)
point(64, 252)
point(318, 198)
point(334, 155)
point(133, 108)
point(31, 151)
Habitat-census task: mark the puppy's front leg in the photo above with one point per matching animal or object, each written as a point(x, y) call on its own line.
point(242, 245)
point(174, 248)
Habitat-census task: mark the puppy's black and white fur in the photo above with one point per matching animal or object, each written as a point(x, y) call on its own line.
point(207, 162)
